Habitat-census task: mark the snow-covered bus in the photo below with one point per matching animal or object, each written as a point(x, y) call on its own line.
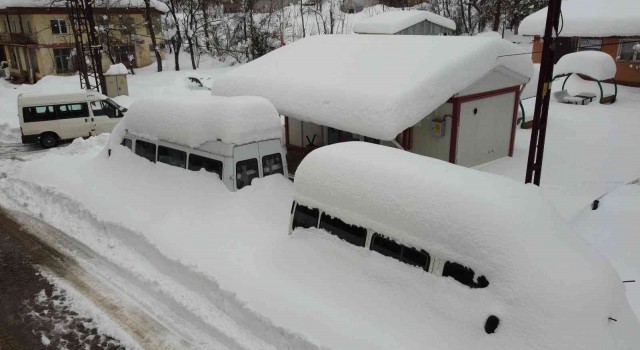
point(492, 252)
point(50, 118)
point(236, 138)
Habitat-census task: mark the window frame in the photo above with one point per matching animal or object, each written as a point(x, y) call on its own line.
point(61, 114)
point(636, 55)
point(207, 156)
point(235, 172)
point(171, 148)
point(151, 143)
point(26, 116)
point(60, 25)
point(58, 54)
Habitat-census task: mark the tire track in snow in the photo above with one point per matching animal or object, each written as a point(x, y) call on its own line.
point(191, 304)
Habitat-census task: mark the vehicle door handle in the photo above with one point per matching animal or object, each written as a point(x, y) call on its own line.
point(85, 120)
point(91, 119)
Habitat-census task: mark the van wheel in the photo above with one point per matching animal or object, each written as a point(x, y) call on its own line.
point(48, 140)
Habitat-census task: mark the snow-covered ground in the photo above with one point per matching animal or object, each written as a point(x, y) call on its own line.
point(225, 259)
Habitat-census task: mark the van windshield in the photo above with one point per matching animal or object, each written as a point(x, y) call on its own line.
point(115, 105)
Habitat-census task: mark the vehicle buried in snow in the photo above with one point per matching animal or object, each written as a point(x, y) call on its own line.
point(50, 118)
point(518, 273)
point(237, 138)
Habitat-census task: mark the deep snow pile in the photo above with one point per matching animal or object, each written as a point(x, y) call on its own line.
point(117, 69)
point(356, 83)
point(595, 64)
point(584, 18)
point(392, 22)
point(192, 121)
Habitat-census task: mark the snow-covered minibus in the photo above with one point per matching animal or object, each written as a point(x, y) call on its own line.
point(50, 118)
point(236, 138)
point(487, 253)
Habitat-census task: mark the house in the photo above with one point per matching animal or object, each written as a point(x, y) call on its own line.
point(410, 22)
point(446, 97)
point(37, 40)
point(610, 26)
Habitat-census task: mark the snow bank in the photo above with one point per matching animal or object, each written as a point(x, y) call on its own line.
point(589, 18)
point(117, 69)
point(192, 121)
point(595, 64)
point(542, 275)
point(391, 22)
point(375, 85)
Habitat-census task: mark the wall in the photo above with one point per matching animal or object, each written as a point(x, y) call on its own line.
point(423, 140)
point(425, 28)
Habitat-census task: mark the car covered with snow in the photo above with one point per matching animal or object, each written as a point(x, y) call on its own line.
point(481, 261)
point(237, 139)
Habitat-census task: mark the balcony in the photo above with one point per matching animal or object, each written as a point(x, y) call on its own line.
point(17, 38)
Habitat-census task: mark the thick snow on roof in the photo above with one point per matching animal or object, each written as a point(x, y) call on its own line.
point(391, 22)
point(595, 18)
point(374, 85)
point(595, 64)
point(543, 276)
point(156, 4)
point(193, 121)
point(117, 69)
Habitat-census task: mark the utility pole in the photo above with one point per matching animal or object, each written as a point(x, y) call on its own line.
point(540, 116)
point(88, 49)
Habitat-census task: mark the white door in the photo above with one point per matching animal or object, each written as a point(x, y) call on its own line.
point(246, 165)
point(74, 120)
point(105, 117)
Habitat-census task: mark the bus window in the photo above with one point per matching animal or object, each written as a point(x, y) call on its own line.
point(355, 235)
point(172, 157)
point(305, 217)
point(38, 114)
point(70, 111)
point(197, 163)
point(272, 164)
point(407, 255)
point(463, 275)
point(246, 171)
point(146, 150)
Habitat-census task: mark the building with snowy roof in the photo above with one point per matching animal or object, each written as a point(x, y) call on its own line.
point(410, 22)
point(610, 26)
point(452, 98)
point(36, 37)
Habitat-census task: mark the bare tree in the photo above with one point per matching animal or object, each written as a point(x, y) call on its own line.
point(152, 33)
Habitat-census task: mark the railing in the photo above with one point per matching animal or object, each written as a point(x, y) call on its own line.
point(17, 38)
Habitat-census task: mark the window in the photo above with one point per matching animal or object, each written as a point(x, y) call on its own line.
point(78, 110)
point(172, 157)
point(127, 143)
point(629, 51)
point(146, 150)
point(407, 255)
point(589, 44)
point(58, 26)
point(38, 114)
point(272, 164)
point(305, 217)
point(100, 108)
point(197, 163)
point(463, 275)
point(353, 234)
point(246, 171)
point(371, 140)
point(63, 60)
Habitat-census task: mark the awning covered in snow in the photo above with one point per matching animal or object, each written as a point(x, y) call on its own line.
point(589, 18)
point(391, 22)
point(372, 85)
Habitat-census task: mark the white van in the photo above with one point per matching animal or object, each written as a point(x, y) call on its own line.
point(50, 118)
point(236, 138)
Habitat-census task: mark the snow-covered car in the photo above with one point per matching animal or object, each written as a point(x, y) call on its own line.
point(199, 83)
point(482, 262)
point(237, 138)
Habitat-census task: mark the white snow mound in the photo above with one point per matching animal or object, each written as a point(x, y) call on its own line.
point(391, 22)
point(595, 64)
point(550, 289)
point(193, 121)
point(595, 18)
point(117, 69)
point(374, 85)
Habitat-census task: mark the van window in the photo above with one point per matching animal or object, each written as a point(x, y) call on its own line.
point(127, 143)
point(70, 111)
point(463, 275)
point(100, 108)
point(172, 157)
point(305, 217)
point(353, 234)
point(272, 164)
point(38, 114)
point(407, 255)
point(197, 163)
point(146, 150)
point(246, 170)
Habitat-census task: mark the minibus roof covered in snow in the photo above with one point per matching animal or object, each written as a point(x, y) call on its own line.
point(200, 121)
point(39, 98)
